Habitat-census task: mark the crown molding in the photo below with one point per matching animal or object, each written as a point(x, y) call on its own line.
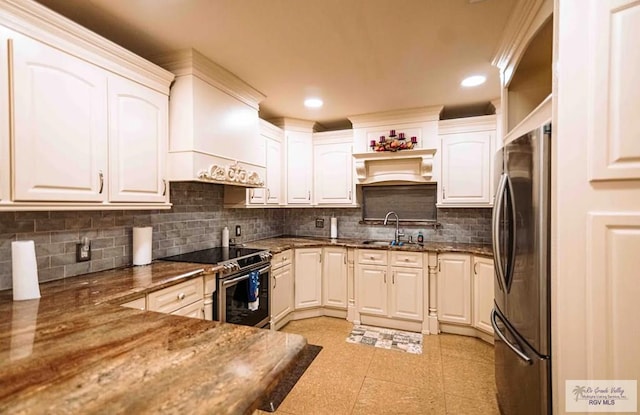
point(294, 124)
point(460, 125)
point(46, 26)
point(269, 130)
point(191, 62)
point(411, 115)
point(525, 19)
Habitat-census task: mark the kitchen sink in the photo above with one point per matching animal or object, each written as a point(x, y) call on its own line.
point(381, 243)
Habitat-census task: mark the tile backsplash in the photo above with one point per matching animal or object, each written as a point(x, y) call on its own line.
point(195, 222)
point(456, 225)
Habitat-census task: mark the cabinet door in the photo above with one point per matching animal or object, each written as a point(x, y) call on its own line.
point(60, 124)
point(406, 293)
point(308, 277)
point(281, 293)
point(454, 288)
point(138, 140)
point(482, 293)
point(274, 172)
point(299, 168)
point(466, 169)
point(371, 286)
point(257, 195)
point(334, 277)
point(333, 173)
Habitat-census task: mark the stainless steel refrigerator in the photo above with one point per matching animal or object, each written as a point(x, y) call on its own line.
point(521, 316)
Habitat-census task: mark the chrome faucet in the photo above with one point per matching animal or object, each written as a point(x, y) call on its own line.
point(399, 233)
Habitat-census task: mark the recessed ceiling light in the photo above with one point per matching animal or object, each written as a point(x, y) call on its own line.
point(313, 102)
point(474, 80)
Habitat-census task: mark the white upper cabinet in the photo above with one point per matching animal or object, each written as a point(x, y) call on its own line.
point(274, 173)
point(333, 168)
point(299, 167)
point(466, 162)
point(86, 120)
point(138, 138)
point(60, 124)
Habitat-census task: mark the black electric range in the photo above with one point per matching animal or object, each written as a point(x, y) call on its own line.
point(233, 259)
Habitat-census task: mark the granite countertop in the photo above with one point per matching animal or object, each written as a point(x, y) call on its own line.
point(282, 243)
point(75, 351)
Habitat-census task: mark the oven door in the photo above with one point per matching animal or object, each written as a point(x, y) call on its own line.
point(232, 305)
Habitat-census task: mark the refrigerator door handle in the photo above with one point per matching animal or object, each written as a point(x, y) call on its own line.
point(497, 206)
point(502, 337)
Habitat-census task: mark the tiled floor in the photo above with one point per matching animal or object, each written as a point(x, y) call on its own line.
point(453, 375)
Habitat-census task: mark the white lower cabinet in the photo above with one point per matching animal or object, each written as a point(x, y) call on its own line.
point(371, 283)
point(406, 293)
point(171, 299)
point(282, 283)
point(465, 290)
point(388, 290)
point(334, 277)
point(454, 288)
point(308, 278)
point(483, 296)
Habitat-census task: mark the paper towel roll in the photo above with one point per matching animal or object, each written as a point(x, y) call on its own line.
point(334, 228)
point(142, 238)
point(25, 271)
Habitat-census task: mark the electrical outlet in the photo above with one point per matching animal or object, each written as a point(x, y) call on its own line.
point(83, 251)
point(238, 230)
point(319, 223)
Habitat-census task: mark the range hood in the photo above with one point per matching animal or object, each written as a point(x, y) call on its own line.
point(407, 166)
point(214, 131)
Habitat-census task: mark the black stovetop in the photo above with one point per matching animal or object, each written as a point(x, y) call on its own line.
point(214, 255)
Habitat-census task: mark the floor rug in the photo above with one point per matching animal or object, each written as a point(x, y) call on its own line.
point(271, 402)
point(405, 341)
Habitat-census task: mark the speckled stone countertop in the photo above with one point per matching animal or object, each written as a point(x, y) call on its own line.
point(283, 243)
point(76, 351)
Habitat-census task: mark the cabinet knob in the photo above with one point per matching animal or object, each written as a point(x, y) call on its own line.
point(406, 260)
point(181, 296)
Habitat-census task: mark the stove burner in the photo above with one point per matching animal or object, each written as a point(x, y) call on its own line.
point(232, 259)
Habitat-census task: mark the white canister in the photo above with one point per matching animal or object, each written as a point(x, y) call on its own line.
point(25, 271)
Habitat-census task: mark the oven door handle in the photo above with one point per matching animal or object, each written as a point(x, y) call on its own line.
point(232, 281)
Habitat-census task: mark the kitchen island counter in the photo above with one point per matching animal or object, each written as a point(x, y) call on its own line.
point(76, 351)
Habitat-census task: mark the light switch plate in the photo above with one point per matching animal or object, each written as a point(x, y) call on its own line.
point(319, 223)
point(238, 230)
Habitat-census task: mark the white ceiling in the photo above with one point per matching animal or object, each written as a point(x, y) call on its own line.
point(359, 56)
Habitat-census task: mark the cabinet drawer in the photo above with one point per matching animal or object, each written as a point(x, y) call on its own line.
point(139, 303)
point(406, 259)
point(177, 296)
point(195, 310)
point(281, 259)
point(372, 256)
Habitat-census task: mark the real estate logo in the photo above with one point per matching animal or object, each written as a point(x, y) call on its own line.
point(601, 396)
